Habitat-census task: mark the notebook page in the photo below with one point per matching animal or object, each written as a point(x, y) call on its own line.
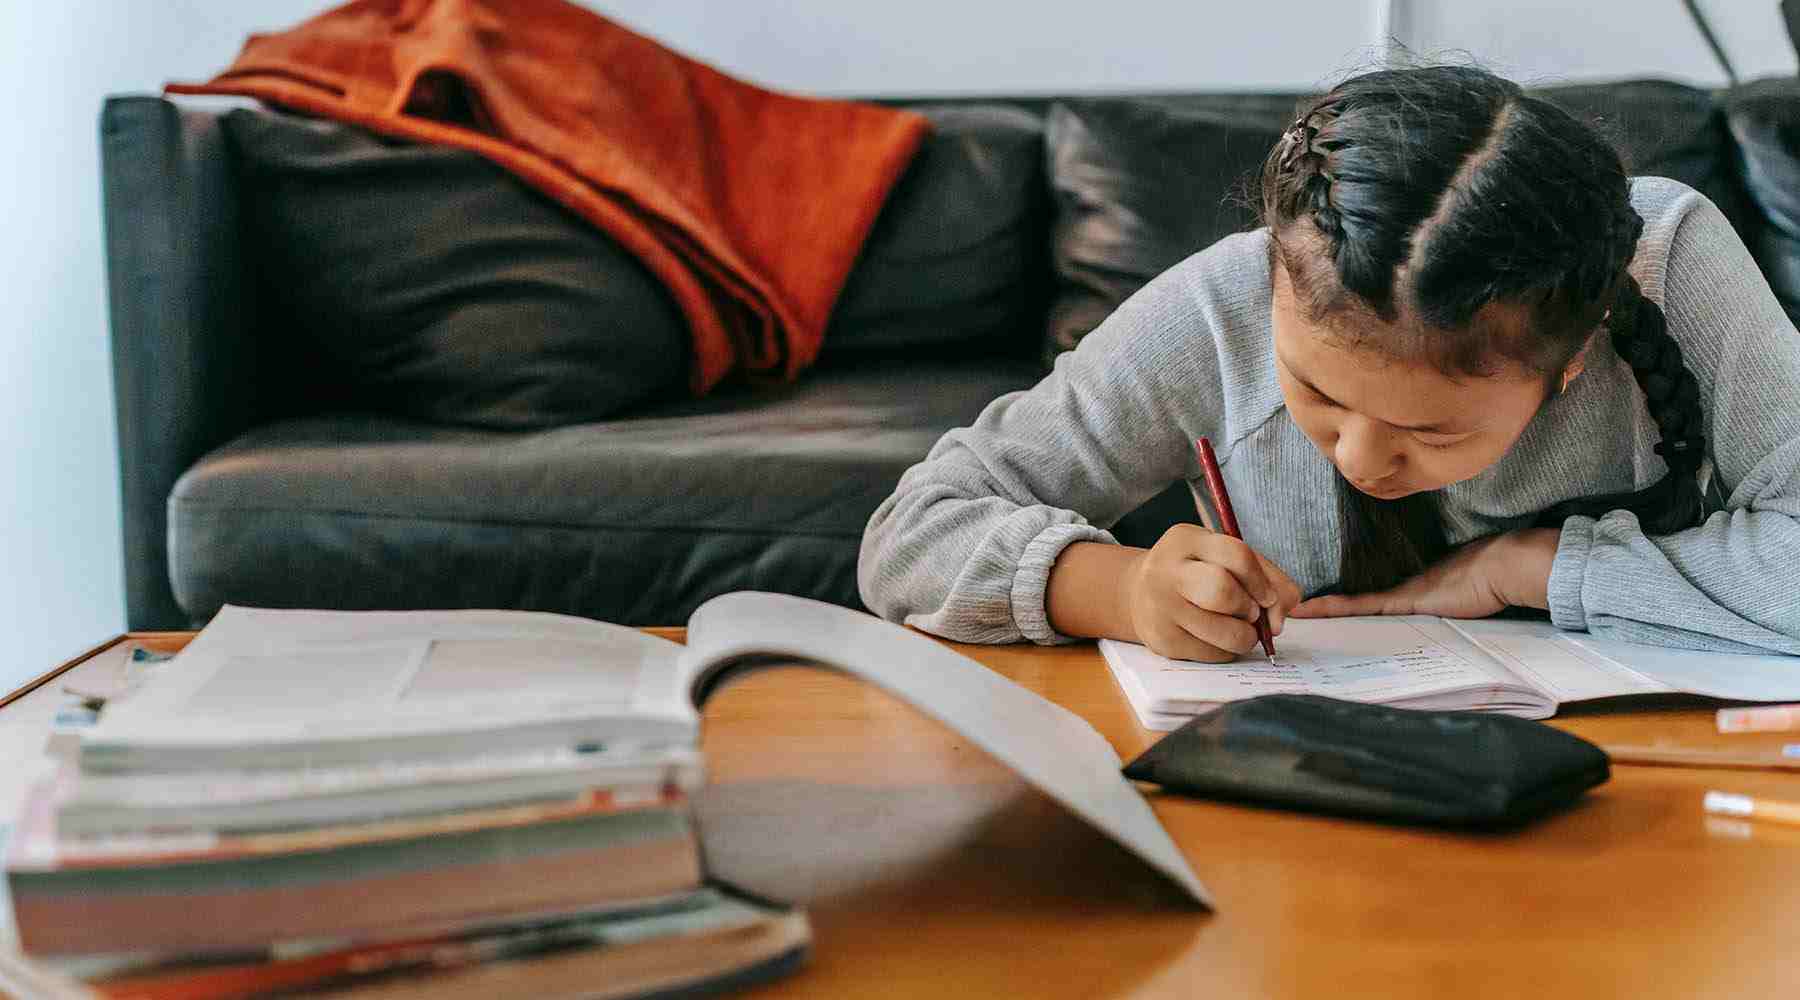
point(1544, 656)
point(1373, 659)
point(1116, 655)
point(1736, 676)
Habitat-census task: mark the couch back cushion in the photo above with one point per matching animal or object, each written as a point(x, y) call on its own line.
point(426, 282)
point(1662, 129)
point(1764, 117)
point(1139, 184)
point(955, 264)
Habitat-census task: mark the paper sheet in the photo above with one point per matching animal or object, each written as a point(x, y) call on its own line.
point(1576, 666)
point(1362, 659)
point(272, 676)
point(1544, 655)
point(1735, 676)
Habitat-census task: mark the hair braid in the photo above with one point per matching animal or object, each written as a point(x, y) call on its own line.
point(1640, 335)
point(1304, 157)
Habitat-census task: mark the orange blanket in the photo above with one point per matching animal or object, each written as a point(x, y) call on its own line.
point(749, 205)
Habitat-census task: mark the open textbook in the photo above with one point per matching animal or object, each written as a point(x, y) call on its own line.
point(1523, 668)
point(280, 690)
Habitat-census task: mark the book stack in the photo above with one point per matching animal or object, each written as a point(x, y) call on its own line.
point(459, 803)
point(493, 803)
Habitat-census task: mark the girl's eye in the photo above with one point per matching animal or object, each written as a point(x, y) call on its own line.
point(1439, 442)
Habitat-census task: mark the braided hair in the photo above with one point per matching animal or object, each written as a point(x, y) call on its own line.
point(1436, 191)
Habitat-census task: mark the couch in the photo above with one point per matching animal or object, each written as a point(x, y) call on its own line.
point(244, 482)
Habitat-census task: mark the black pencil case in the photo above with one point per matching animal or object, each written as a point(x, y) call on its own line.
point(1466, 769)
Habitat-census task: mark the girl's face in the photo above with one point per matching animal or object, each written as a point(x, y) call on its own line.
point(1394, 428)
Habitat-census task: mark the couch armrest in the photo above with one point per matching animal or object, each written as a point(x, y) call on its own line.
point(183, 361)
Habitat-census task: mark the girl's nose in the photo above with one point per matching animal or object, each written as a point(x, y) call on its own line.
point(1365, 453)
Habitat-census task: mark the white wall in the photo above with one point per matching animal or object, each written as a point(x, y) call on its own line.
point(1536, 40)
point(1015, 46)
point(60, 579)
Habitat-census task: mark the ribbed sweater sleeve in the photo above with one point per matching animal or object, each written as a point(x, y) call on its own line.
point(1729, 583)
point(964, 546)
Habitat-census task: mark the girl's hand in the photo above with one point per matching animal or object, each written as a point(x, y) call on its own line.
point(1475, 581)
point(1196, 593)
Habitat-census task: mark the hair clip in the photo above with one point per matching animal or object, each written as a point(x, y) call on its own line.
point(1298, 138)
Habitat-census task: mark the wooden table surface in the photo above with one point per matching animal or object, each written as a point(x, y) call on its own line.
point(930, 871)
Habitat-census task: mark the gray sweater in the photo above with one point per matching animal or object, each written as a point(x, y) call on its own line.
point(964, 546)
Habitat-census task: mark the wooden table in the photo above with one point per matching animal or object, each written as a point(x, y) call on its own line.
point(930, 871)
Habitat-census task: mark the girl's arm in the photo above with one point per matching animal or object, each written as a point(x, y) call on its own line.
point(965, 546)
point(1732, 583)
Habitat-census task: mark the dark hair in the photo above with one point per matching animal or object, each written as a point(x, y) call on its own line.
point(1425, 195)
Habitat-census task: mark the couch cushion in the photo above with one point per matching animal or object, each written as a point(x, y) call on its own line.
point(955, 264)
point(634, 521)
point(1661, 129)
point(426, 282)
point(1137, 186)
point(1765, 120)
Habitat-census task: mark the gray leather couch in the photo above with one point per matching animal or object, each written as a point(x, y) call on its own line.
point(238, 490)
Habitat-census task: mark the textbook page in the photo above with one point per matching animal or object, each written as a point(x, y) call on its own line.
point(1414, 661)
point(368, 681)
point(1050, 747)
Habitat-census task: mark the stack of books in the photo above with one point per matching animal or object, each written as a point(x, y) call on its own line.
point(497, 804)
point(458, 803)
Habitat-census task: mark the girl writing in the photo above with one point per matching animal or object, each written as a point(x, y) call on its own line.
point(1466, 363)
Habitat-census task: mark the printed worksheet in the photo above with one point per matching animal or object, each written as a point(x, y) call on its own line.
point(1377, 659)
point(1395, 660)
point(1522, 668)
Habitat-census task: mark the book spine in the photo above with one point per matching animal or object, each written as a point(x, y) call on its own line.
point(131, 910)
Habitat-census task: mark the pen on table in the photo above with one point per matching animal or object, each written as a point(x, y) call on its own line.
point(1782, 758)
point(1761, 719)
point(1730, 804)
point(1215, 484)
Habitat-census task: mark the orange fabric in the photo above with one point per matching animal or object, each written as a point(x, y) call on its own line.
point(749, 205)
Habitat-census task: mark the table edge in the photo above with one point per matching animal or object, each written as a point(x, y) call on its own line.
point(55, 672)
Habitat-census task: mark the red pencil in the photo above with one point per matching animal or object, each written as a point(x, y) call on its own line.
point(1215, 484)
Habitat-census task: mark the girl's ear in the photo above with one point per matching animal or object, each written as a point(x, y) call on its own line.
point(1574, 368)
point(1577, 364)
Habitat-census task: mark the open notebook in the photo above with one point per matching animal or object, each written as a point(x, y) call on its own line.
point(1527, 669)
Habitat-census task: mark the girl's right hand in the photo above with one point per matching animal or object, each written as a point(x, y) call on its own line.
point(1196, 593)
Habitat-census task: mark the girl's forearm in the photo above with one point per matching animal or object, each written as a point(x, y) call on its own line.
point(1087, 593)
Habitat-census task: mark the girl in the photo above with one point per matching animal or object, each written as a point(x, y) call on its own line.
point(1465, 364)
